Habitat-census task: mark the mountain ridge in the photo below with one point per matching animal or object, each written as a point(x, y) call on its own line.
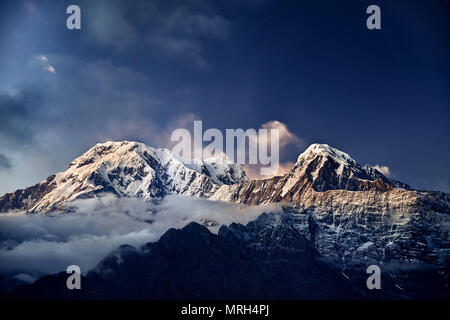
point(125, 169)
point(335, 210)
point(132, 169)
point(266, 259)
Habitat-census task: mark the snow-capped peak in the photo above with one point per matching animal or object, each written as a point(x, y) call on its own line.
point(318, 157)
point(328, 168)
point(325, 150)
point(220, 170)
point(132, 169)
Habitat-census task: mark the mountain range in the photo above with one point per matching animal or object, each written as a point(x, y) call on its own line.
point(338, 218)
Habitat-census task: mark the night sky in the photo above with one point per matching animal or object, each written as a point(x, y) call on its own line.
point(139, 69)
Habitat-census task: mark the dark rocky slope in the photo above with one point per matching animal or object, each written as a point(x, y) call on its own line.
point(262, 260)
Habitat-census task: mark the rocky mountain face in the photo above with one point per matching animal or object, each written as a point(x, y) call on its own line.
point(125, 169)
point(130, 169)
point(270, 258)
point(194, 263)
point(355, 214)
point(319, 169)
point(339, 217)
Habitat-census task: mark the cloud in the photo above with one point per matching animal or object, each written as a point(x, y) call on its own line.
point(5, 163)
point(33, 245)
point(285, 135)
point(93, 101)
point(50, 69)
point(253, 172)
point(86, 102)
point(180, 33)
point(288, 141)
point(383, 169)
point(107, 24)
point(45, 64)
point(30, 6)
point(15, 111)
point(172, 29)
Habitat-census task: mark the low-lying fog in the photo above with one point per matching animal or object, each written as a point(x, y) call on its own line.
point(32, 245)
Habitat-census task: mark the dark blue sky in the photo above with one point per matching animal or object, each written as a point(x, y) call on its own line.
point(139, 69)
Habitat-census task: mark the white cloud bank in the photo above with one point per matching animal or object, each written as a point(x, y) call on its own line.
point(287, 140)
point(383, 169)
point(34, 245)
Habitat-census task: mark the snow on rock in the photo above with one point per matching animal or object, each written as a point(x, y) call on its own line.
point(125, 169)
point(328, 168)
point(132, 169)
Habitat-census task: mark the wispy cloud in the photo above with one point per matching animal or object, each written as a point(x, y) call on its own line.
point(5, 163)
point(287, 141)
point(46, 66)
point(287, 138)
point(254, 173)
point(14, 110)
point(170, 29)
point(33, 245)
point(383, 169)
point(50, 69)
point(108, 25)
point(180, 33)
